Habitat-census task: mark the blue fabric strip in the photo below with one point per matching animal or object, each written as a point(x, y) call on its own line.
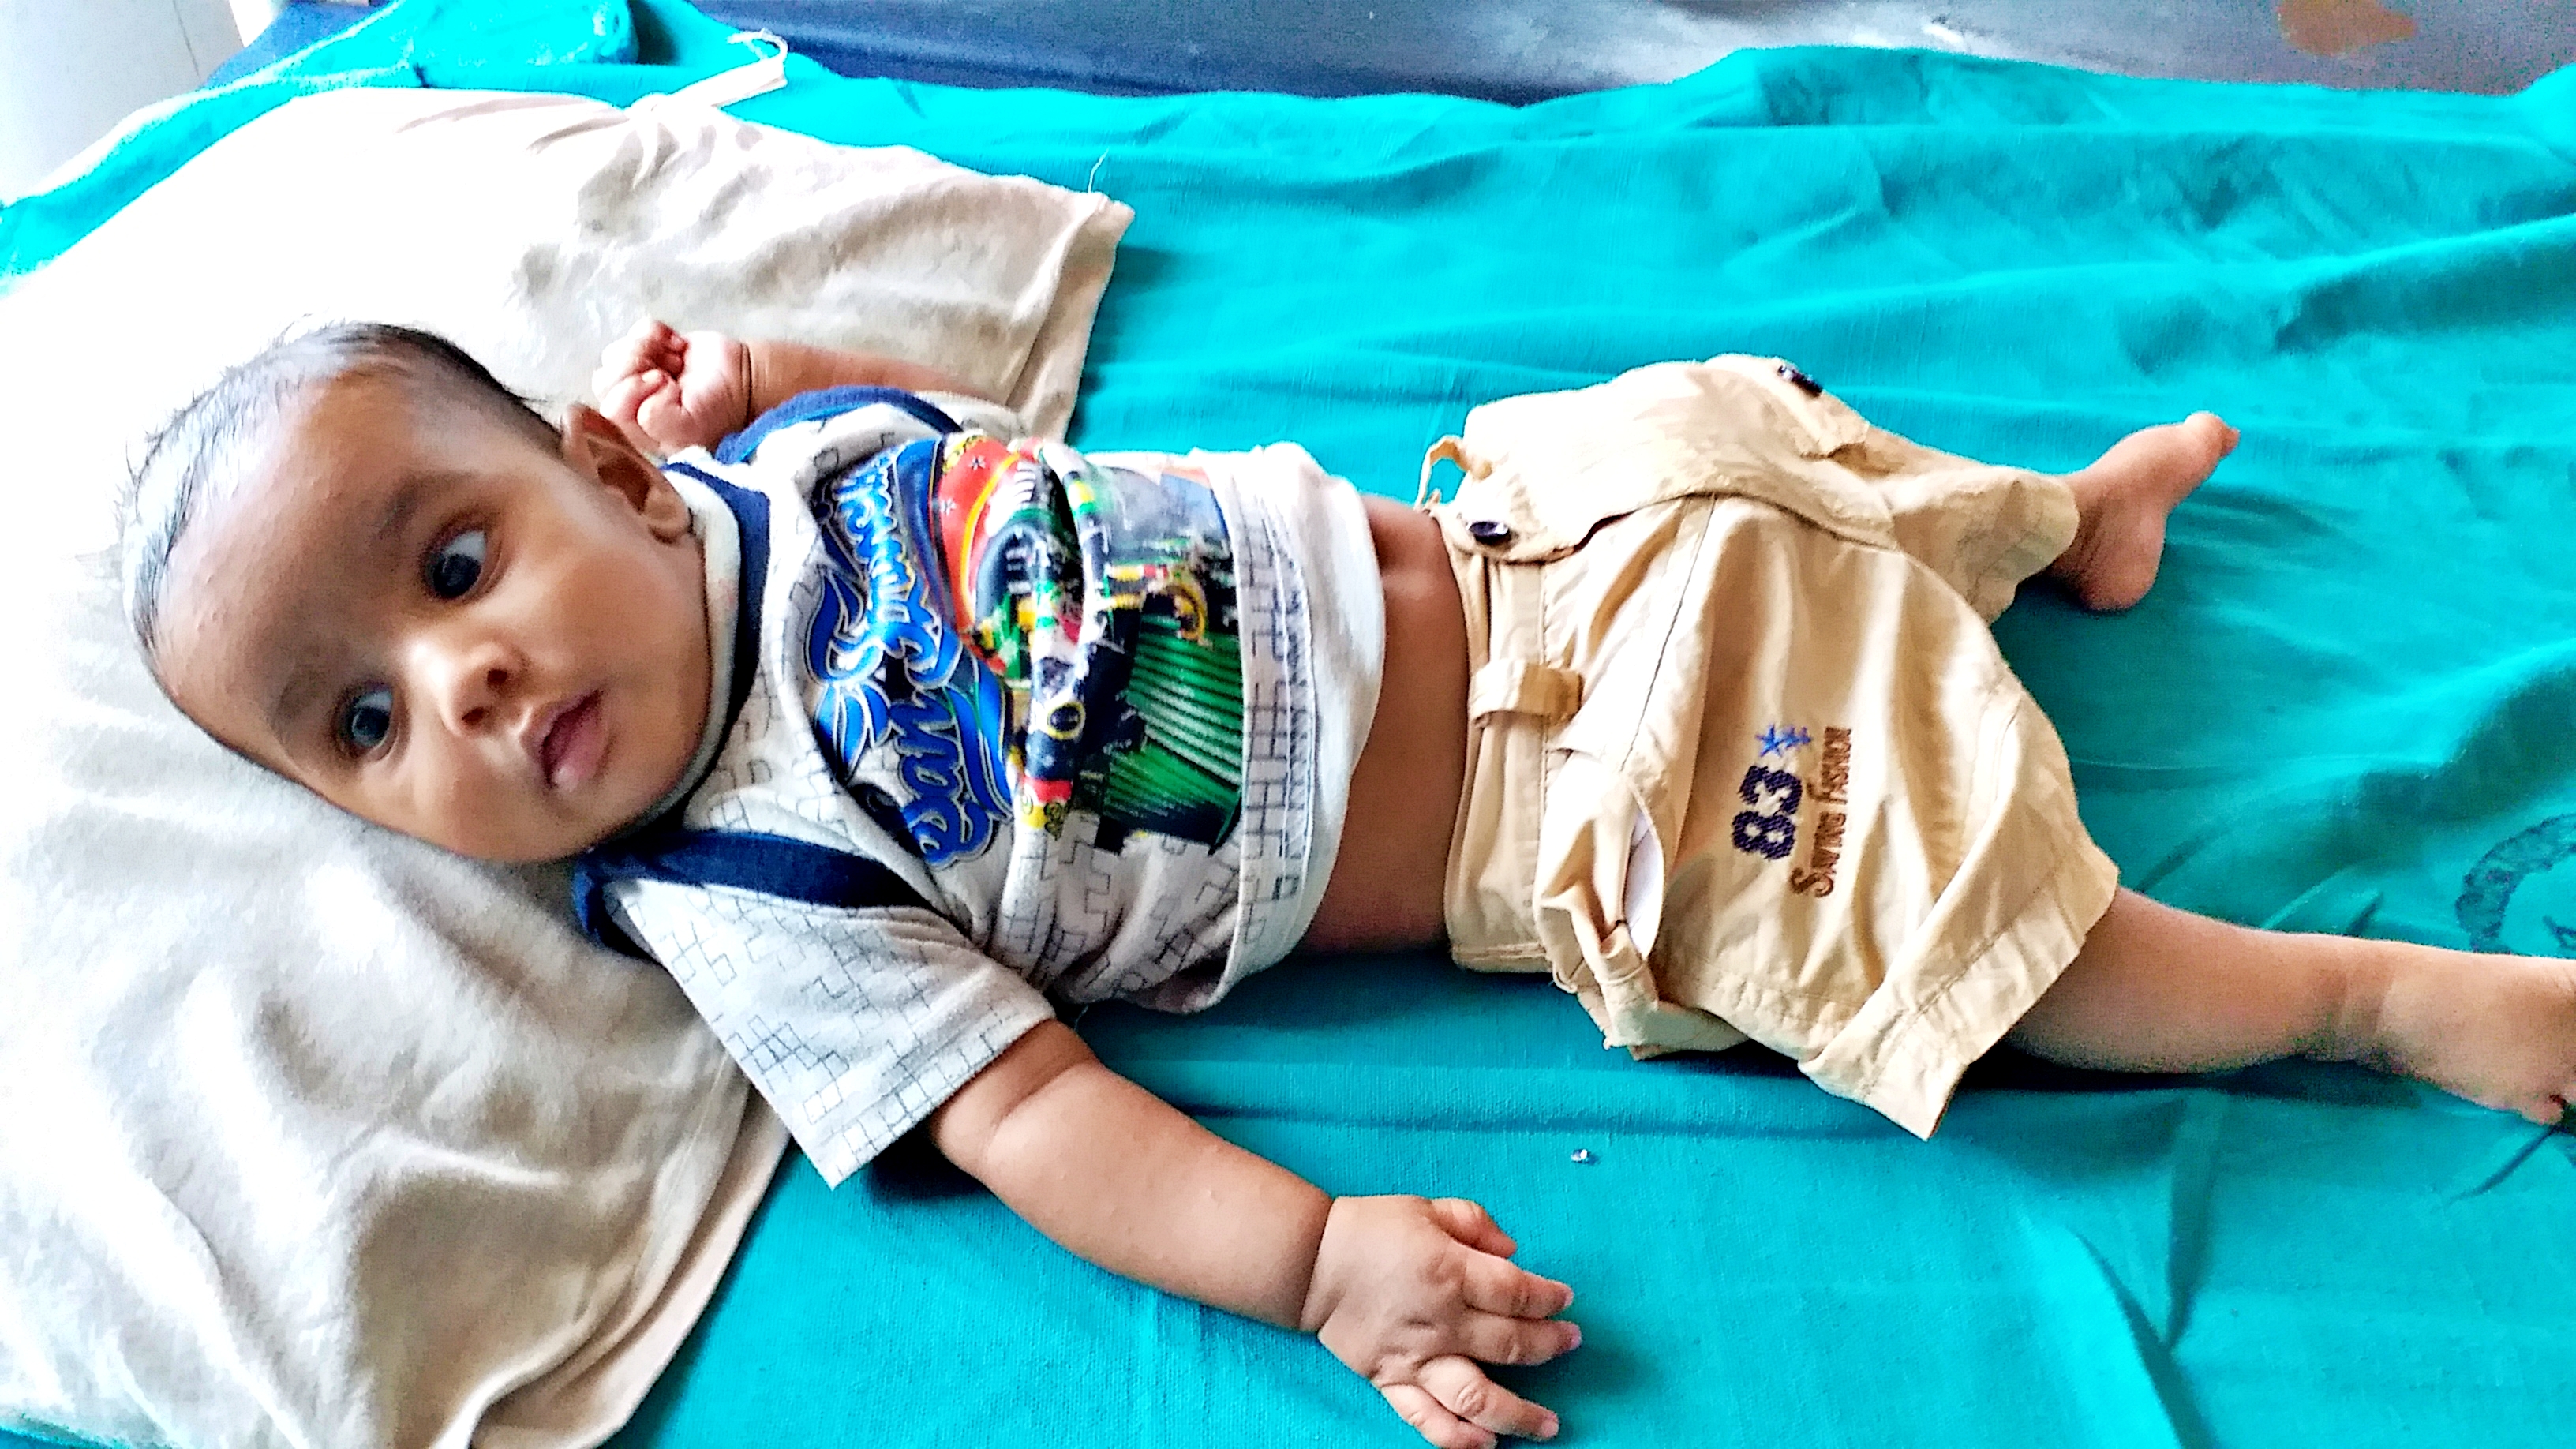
point(745, 860)
point(751, 515)
point(742, 860)
point(828, 402)
point(664, 852)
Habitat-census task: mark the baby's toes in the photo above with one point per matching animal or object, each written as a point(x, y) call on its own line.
point(2210, 436)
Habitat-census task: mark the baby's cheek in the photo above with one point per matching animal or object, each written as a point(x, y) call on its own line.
point(458, 810)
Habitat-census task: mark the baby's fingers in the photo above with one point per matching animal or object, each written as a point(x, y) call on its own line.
point(648, 344)
point(649, 336)
point(1414, 1405)
point(1455, 1406)
point(663, 414)
point(621, 397)
point(1493, 1338)
point(1497, 1287)
point(1469, 1223)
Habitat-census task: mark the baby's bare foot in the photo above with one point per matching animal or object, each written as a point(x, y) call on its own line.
point(2498, 1030)
point(2121, 503)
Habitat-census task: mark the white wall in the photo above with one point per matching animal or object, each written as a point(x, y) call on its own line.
point(70, 69)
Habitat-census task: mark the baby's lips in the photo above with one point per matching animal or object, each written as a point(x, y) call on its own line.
point(565, 742)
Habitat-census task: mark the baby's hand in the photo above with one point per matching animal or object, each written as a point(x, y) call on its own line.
point(1411, 1292)
point(668, 391)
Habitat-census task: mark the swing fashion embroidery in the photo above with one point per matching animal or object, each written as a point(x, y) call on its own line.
point(1832, 787)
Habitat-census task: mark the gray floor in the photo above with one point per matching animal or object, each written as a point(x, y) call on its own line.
point(1520, 50)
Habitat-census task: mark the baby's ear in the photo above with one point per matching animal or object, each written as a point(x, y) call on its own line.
point(596, 450)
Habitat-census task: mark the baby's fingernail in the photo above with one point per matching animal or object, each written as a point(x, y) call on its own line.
point(1548, 1429)
point(1577, 1340)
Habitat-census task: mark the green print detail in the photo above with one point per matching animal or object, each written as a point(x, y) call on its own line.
point(1185, 777)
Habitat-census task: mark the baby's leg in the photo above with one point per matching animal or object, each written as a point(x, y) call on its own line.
point(2099, 530)
point(2121, 502)
point(2158, 989)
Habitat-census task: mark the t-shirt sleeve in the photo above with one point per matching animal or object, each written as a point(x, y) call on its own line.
point(861, 421)
point(855, 1024)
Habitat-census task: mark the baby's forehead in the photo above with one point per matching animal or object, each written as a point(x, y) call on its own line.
point(329, 453)
point(272, 490)
point(268, 591)
point(364, 437)
point(338, 480)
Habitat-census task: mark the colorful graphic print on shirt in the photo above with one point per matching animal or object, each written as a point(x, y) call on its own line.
point(1033, 635)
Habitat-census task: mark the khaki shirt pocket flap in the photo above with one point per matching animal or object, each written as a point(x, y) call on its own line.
point(1546, 469)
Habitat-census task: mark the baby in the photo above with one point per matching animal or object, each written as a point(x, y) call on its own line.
point(885, 732)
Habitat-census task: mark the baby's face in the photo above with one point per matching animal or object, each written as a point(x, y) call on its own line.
point(439, 623)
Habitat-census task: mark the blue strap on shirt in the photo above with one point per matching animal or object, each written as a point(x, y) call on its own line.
point(829, 402)
point(747, 860)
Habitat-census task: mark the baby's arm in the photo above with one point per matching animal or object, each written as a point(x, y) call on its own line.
point(670, 390)
point(1409, 1292)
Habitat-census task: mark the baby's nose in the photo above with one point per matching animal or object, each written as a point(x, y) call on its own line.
point(472, 682)
point(476, 701)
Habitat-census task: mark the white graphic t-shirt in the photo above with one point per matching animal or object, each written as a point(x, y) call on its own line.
point(998, 725)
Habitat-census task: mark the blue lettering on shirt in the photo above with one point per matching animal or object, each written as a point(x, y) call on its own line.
point(888, 667)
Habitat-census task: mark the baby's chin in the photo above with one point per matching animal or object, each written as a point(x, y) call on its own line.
point(629, 794)
point(511, 850)
point(538, 841)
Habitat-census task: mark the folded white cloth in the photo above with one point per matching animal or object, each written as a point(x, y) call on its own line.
point(313, 1135)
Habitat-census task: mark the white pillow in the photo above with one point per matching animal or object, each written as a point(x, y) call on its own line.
point(314, 1135)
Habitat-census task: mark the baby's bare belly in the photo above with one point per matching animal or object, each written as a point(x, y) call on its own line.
point(1386, 883)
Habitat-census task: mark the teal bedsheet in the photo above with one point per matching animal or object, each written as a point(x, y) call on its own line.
point(2347, 707)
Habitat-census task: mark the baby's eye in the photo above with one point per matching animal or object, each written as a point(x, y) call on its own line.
point(456, 565)
point(366, 720)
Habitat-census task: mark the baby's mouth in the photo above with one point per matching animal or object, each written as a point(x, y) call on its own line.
point(568, 752)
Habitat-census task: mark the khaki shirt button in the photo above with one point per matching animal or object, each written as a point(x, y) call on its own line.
point(1800, 381)
point(1491, 532)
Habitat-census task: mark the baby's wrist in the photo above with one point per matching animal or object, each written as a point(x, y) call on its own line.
point(1322, 1291)
point(743, 359)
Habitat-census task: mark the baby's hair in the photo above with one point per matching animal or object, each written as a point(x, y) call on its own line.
point(201, 455)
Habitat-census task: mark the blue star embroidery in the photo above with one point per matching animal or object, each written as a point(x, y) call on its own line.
point(1778, 741)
